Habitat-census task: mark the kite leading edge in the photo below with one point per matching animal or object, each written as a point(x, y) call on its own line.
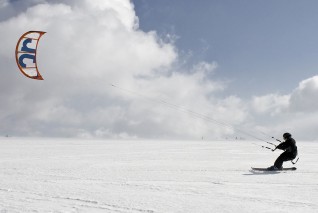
point(25, 54)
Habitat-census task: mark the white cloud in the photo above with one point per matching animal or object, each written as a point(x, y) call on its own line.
point(304, 97)
point(270, 104)
point(90, 45)
point(3, 3)
point(295, 112)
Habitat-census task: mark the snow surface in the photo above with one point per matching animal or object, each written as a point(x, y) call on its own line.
point(68, 175)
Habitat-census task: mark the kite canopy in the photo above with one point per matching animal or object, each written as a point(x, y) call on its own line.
point(25, 54)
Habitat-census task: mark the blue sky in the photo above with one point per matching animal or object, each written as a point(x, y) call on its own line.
point(268, 46)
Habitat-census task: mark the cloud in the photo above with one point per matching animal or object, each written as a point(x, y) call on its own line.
point(3, 3)
point(270, 104)
point(90, 46)
point(295, 112)
point(304, 97)
point(105, 77)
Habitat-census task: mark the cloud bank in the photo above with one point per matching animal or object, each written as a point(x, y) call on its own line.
point(105, 77)
point(296, 112)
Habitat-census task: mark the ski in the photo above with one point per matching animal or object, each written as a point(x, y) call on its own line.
point(266, 169)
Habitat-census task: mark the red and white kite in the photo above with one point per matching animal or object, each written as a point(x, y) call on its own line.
point(25, 54)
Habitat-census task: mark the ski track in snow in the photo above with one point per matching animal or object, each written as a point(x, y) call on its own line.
point(65, 175)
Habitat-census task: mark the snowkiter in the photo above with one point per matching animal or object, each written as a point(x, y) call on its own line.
point(290, 152)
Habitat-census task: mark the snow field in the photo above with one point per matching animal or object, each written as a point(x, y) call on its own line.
point(72, 175)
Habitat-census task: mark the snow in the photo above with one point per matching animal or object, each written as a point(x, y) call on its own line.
point(73, 175)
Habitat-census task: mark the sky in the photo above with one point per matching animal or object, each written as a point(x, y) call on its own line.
point(125, 69)
point(260, 43)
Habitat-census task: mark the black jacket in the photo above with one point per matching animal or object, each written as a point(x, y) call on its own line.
point(288, 146)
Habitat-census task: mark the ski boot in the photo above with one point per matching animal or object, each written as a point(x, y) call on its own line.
point(274, 168)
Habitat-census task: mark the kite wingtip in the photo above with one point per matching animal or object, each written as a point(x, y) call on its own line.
point(39, 77)
point(36, 31)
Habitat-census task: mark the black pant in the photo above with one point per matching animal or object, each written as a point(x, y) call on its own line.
point(285, 156)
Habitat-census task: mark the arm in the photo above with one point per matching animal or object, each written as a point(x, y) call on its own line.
point(283, 145)
point(280, 146)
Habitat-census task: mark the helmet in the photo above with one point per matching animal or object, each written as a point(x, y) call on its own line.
point(286, 135)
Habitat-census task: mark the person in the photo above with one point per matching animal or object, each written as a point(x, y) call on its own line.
point(290, 152)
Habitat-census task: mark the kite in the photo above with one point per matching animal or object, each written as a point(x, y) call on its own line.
point(25, 54)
